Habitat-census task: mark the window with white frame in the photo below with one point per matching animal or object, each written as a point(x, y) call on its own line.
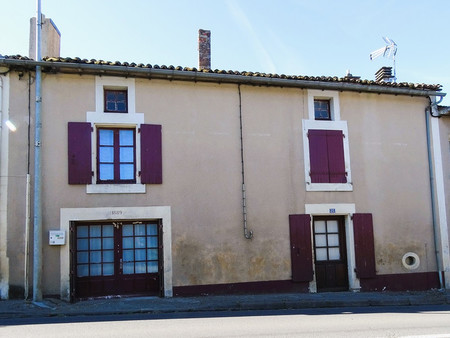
point(325, 142)
point(111, 152)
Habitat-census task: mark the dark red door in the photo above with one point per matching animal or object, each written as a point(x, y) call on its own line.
point(116, 258)
point(330, 255)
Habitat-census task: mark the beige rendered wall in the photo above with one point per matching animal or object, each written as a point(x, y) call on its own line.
point(202, 174)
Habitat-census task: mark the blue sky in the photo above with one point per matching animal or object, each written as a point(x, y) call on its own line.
point(295, 37)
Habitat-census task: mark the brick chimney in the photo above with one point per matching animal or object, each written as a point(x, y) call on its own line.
point(204, 49)
point(51, 38)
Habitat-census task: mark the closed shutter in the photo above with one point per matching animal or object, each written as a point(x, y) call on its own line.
point(336, 162)
point(318, 156)
point(79, 153)
point(301, 248)
point(364, 245)
point(151, 154)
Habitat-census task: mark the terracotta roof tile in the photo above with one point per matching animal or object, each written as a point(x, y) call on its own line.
point(355, 80)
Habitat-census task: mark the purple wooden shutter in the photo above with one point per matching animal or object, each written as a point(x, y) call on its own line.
point(364, 245)
point(336, 162)
point(318, 156)
point(301, 248)
point(151, 154)
point(79, 151)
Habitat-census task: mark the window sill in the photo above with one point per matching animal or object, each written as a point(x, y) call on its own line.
point(115, 189)
point(329, 186)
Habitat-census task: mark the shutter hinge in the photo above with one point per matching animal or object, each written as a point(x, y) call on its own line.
point(139, 130)
point(139, 174)
point(351, 217)
point(92, 173)
point(343, 135)
point(92, 129)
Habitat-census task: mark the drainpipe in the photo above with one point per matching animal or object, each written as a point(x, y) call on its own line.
point(37, 239)
point(248, 234)
point(428, 115)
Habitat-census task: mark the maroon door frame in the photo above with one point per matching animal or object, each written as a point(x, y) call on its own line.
point(331, 272)
point(117, 283)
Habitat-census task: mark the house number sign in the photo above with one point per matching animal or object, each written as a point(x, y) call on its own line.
point(332, 211)
point(116, 212)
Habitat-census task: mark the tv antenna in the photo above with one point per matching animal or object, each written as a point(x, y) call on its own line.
point(389, 51)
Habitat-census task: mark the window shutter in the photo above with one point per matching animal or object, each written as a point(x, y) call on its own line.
point(301, 248)
point(151, 154)
point(79, 153)
point(364, 245)
point(318, 156)
point(336, 162)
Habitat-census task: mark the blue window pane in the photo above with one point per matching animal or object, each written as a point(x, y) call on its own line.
point(108, 243)
point(95, 243)
point(139, 229)
point(126, 154)
point(127, 230)
point(108, 269)
point(140, 267)
point(152, 229)
point(152, 254)
point(110, 96)
point(120, 96)
point(108, 230)
point(106, 154)
point(82, 231)
point(126, 137)
point(128, 255)
point(139, 242)
point(82, 270)
point(82, 257)
point(106, 171)
point(128, 268)
point(139, 255)
point(127, 243)
point(95, 257)
point(152, 242)
point(108, 256)
point(82, 244)
point(96, 231)
point(121, 106)
point(127, 171)
point(152, 267)
point(111, 105)
point(106, 137)
point(95, 269)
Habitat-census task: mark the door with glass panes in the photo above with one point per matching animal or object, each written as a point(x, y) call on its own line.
point(330, 254)
point(116, 258)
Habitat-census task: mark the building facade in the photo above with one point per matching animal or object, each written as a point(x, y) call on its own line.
point(173, 181)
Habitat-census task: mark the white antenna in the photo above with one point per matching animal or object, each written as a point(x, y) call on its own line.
point(389, 51)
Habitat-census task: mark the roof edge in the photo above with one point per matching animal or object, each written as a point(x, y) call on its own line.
point(192, 74)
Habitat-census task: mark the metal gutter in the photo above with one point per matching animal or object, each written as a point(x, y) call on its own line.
point(204, 76)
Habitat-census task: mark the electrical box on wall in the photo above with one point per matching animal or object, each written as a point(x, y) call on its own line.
point(57, 237)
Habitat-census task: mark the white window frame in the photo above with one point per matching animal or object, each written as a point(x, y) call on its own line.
point(334, 124)
point(99, 118)
point(332, 96)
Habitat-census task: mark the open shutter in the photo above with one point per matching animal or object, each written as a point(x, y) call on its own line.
point(151, 154)
point(79, 153)
point(301, 248)
point(336, 162)
point(364, 245)
point(318, 156)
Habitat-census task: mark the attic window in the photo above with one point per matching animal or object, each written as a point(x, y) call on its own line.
point(116, 101)
point(322, 110)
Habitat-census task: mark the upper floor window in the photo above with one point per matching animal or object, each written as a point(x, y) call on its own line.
point(322, 109)
point(323, 105)
point(116, 101)
point(116, 155)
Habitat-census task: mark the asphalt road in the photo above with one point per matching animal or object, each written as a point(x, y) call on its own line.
point(404, 321)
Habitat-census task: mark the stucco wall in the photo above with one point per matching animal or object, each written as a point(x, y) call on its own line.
point(202, 174)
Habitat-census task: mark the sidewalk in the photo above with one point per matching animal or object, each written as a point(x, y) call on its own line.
point(56, 307)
